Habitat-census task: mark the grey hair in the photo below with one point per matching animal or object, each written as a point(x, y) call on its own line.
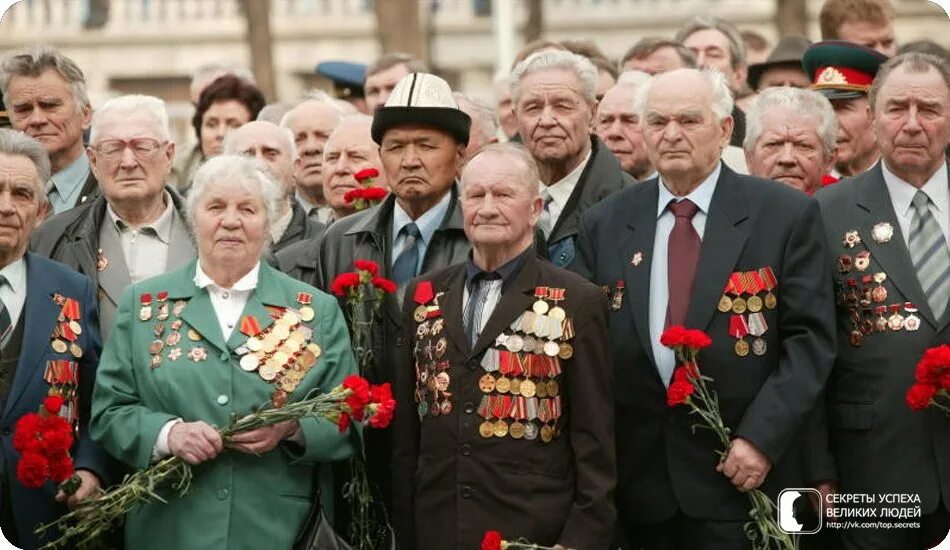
point(804, 102)
point(235, 170)
point(721, 102)
point(513, 151)
point(228, 147)
point(703, 22)
point(481, 110)
point(633, 78)
point(129, 104)
point(15, 143)
point(315, 96)
point(914, 62)
point(557, 59)
point(33, 61)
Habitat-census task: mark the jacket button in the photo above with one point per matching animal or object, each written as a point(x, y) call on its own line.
point(466, 449)
point(224, 357)
point(469, 407)
point(222, 493)
point(466, 492)
point(223, 400)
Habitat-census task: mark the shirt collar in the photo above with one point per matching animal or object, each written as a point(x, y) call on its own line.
point(71, 178)
point(161, 226)
point(902, 193)
point(560, 191)
point(245, 283)
point(307, 205)
point(701, 196)
point(508, 272)
point(427, 222)
point(15, 274)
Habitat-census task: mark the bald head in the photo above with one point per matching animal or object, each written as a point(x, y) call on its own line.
point(349, 149)
point(269, 143)
point(311, 123)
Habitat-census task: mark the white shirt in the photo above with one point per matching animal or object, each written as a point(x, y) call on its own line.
point(902, 196)
point(560, 191)
point(145, 247)
point(659, 282)
point(13, 292)
point(427, 223)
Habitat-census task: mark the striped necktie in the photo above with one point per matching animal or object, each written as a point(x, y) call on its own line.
point(6, 322)
point(929, 253)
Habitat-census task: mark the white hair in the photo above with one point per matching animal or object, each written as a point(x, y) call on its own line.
point(128, 104)
point(557, 59)
point(529, 167)
point(313, 96)
point(228, 147)
point(633, 78)
point(15, 143)
point(480, 109)
point(238, 171)
point(721, 102)
point(804, 102)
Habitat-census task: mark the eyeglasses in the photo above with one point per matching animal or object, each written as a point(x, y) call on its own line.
point(112, 149)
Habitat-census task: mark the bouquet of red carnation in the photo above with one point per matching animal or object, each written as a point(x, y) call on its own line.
point(493, 541)
point(366, 195)
point(43, 440)
point(931, 381)
point(690, 387)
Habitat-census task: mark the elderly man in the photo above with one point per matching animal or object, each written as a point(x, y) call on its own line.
point(504, 111)
point(135, 229)
point(717, 44)
point(843, 72)
point(484, 129)
point(657, 55)
point(274, 146)
point(45, 93)
point(553, 93)
point(869, 23)
point(790, 137)
point(38, 298)
point(311, 123)
point(422, 136)
point(618, 128)
point(665, 250)
point(783, 66)
point(383, 75)
point(467, 448)
point(889, 230)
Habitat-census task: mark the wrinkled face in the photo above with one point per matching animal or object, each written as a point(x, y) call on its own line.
point(873, 35)
point(789, 150)
point(661, 61)
point(231, 223)
point(22, 205)
point(619, 128)
point(130, 158)
point(504, 110)
point(605, 81)
point(711, 48)
point(855, 138)
point(910, 121)
point(784, 75)
point(554, 119)
point(683, 137)
point(349, 150)
point(218, 120)
point(378, 86)
point(44, 108)
point(311, 124)
point(265, 142)
point(421, 162)
point(499, 207)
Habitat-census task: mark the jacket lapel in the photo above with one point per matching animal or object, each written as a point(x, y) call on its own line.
point(181, 248)
point(267, 293)
point(115, 277)
point(723, 241)
point(642, 224)
point(513, 302)
point(453, 284)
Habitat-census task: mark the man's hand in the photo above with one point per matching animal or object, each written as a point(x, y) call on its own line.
point(194, 442)
point(89, 487)
point(262, 440)
point(744, 465)
point(825, 488)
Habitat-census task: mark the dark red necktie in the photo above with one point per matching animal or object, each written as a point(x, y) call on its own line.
point(683, 256)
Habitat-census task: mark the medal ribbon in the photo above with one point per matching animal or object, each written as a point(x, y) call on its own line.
point(250, 326)
point(756, 284)
point(517, 364)
point(737, 327)
point(554, 367)
point(768, 277)
point(146, 299)
point(509, 406)
point(491, 359)
point(484, 406)
point(556, 407)
point(735, 280)
point(504, 362)
point(67, 332)
point(531, 407)
point(71, 309)
point(303, 298)
point(520, 408)
point(540, 292)
point(757, 324)
point(162, 296)
point(424, 292)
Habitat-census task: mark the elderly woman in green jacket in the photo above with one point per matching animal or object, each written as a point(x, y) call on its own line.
point(216, 339)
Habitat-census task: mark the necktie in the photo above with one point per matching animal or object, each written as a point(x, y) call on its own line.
point(6, 323)
point(476, 303)
point(546, 223)
point(929, 253)
point(404, 268)
point(682, 256)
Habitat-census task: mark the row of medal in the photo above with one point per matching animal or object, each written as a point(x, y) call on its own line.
point(281, 353)
point(752, 325)
point(165, 346)
point(883, 318)
point(851, 295)
point(432, 376)
point(521, 370)
point(67, 328)
point(751, 283)
point(62, 375)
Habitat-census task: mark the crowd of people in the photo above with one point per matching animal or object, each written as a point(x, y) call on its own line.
point(792, 202)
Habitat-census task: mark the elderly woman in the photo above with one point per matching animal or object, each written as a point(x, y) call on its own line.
point(178, 365)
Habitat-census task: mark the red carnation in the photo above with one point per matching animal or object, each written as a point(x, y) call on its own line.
point(920, 395)
point(384, 284)
point(61, 469)
point(56, 442)
point(343, 282)
point(374, 193)
point(697, 339)
point(353, 195)
point(53, 404)
point(24, 433)
point(679, 391)
point(381, 397)
point(367, 265)
point(359, 395)
point(365, 174)
point(343, 423)
point(491, 541)
point(32, 469)
point(673, 336)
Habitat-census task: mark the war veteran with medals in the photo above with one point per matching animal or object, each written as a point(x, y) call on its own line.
point(505, 401)
point(221, 337)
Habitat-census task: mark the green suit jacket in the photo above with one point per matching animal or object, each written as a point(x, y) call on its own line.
point(236, 500)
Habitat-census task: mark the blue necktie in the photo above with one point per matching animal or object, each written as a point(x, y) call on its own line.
point(404, 268)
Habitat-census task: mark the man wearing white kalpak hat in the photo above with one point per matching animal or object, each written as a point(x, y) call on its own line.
point(422, 135)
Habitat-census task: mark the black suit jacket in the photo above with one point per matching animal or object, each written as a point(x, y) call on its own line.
point(301, 228)
point(870, 440)
point(459, 484)
point(663, 467)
